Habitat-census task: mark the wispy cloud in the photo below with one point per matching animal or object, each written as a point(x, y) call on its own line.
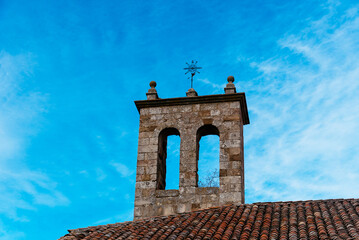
point(304, 116)
point(126, 216)
point(122, 169)
point(8, 234)
point(216, 88)
point(100, 175)
point(21, 110)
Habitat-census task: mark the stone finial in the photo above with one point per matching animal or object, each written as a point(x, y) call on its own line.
point(152, 92)
point(230, 88)
point(191, 93)
point(153, 84)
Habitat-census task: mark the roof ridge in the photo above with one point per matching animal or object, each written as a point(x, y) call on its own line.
point(306, 201)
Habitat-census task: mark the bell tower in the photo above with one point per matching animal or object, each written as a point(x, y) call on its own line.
point(191, 118)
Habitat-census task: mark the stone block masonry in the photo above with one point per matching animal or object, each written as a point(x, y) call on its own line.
point(191, 118)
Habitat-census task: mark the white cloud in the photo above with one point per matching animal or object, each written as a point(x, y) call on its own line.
point(100, 175)
point(7, 234)
point(126, 216)
point(122, 169)
point(20, 112)
point(305, 116)
point(217, 87)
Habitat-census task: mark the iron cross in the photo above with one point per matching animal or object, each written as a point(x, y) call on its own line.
point(192, 68)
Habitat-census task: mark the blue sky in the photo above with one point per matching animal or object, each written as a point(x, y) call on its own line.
point(70, 71)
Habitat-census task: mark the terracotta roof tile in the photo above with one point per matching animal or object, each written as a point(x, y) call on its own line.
point(321, 219)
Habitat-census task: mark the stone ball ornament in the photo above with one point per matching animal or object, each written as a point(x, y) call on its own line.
point(153, 84)
point(230, 79)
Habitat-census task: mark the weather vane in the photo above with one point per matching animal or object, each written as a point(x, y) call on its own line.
point(192, 68)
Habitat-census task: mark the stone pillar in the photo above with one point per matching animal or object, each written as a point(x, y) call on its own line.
point(230, 88)
point(152, 92)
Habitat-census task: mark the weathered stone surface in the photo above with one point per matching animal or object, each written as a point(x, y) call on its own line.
point(167, 193)
point(190, 122)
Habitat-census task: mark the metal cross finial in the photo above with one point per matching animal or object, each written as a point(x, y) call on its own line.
point(192, 68)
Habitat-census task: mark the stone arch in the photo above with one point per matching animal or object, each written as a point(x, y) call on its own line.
point(204, 130)
point(162, 155)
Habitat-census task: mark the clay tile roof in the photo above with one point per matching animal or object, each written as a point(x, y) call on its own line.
point(320, 219)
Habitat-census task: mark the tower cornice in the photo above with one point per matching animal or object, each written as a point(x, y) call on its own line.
point(216, 98)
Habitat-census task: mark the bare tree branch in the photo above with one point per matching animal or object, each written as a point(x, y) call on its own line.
point(211, 180)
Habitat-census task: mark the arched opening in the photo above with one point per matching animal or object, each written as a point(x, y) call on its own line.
point(208, 156)
point(168, 167)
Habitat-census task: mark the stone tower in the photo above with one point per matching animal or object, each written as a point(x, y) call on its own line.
point(191, 118)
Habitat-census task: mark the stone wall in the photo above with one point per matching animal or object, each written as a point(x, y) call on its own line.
point(190, 118)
